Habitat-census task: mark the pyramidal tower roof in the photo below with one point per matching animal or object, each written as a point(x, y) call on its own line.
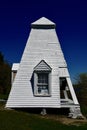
point(43, 23)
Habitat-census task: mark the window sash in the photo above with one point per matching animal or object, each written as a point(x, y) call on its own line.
point(42, 88)
point(43, 78)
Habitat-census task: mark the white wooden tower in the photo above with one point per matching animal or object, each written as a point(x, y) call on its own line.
point(42, 79)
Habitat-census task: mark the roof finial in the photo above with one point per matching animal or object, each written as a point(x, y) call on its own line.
point(43, 23)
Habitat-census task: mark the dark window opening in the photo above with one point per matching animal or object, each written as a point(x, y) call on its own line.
point(64, 89)
point(63, 83)
point(42, 83)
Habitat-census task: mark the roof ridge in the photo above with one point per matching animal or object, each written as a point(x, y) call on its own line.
point(43, 21)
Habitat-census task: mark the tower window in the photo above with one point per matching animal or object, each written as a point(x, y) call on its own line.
point(42, 84)
point(42, 79)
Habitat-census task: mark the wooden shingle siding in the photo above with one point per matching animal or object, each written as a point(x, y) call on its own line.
point(37, 49)
point(42, 66)
point(42, 44)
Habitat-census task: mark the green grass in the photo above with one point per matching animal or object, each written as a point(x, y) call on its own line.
point(84, 110)
point(17, 120)
point(21, 120)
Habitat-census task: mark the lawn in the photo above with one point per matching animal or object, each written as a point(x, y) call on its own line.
point(21, 120)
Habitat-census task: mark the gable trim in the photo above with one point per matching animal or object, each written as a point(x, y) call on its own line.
point(42, 66)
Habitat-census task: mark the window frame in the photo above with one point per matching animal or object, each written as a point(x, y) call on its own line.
point(42, 67)
point(36, 83)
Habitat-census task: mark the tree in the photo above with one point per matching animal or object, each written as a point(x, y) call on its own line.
point(81, 88)
point(5, 74)
point(1, 58)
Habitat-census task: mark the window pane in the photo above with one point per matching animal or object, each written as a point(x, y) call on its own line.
point(42, 83)
point(43, 89)
point(43, 78)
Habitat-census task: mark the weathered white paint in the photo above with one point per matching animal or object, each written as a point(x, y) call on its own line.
point(42, 44)
point(72, 91)
point(42, 66)
point(43, 21)
point(65, 94)
point(15, 66)
point(63, 72)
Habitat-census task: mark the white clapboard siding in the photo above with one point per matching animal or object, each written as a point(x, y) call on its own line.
point(42, 44)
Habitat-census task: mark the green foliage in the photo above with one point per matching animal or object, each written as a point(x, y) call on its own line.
point(84, 110)
point(1, 58)
point(81, 88)
point(5, 75)
point(4, 96)
point(81, 80)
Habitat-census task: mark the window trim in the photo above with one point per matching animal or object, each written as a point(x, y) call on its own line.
point(42, 67)
point(36, 82)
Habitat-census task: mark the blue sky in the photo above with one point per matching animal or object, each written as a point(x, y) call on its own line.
point(70, 17)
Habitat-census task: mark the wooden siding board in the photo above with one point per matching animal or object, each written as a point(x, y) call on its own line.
point(15, 66)
point(42, 44)
point(72, 91)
